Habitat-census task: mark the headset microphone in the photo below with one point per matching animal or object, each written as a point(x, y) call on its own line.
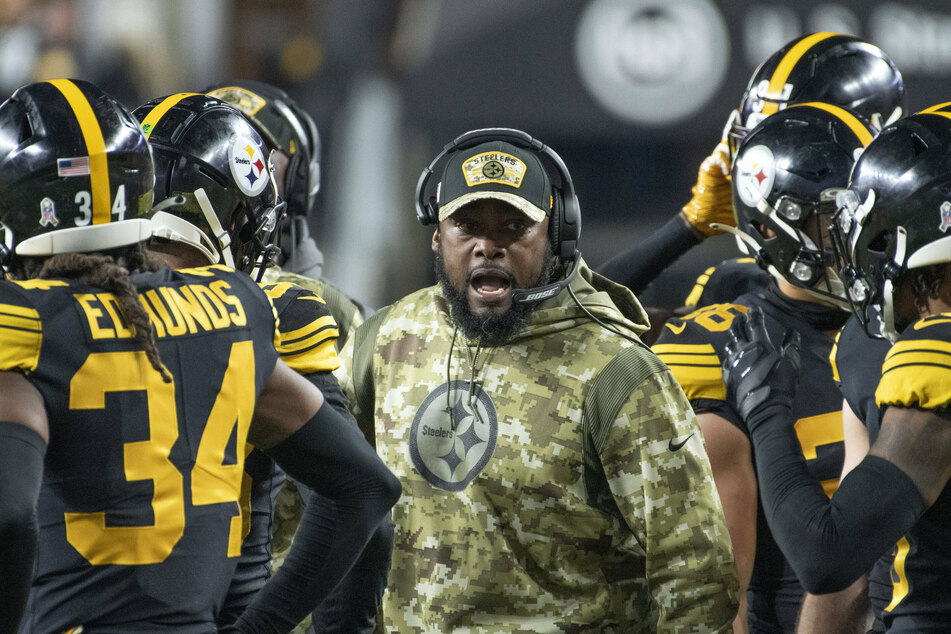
point(541, 293)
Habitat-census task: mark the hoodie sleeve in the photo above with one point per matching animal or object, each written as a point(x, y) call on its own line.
point(657, 469)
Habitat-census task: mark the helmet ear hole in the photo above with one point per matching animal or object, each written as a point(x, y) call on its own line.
point(26, 131)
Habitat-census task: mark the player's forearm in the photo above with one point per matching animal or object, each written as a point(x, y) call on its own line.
point(830, 543)
point(639, 266)
point(21, 472)
point(331, 456)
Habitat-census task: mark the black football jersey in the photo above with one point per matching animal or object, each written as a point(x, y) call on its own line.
point(857, 367)
point(307, 339)
point(917, 374)
point(693, 349)
point(139, 514)
point(726, 281)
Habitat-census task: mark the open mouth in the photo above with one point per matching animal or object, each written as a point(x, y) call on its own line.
point(490, 284)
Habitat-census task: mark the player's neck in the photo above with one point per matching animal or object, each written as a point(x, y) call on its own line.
point(941, 303)
point(800, 294)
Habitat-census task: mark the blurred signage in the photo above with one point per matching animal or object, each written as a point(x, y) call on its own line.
point(655, 63)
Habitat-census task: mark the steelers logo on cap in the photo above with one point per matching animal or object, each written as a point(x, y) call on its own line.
point(248, 165)
point(493, 169)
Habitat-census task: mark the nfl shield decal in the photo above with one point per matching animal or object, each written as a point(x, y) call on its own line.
point(48, 213)
point(248, 165)
point(453, 435)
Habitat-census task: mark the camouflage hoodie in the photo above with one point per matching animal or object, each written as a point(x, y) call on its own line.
point(538, 497)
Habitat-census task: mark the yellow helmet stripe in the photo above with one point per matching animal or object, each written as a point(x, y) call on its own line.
point(95, 147)
point(939, 110)
point(785, 67)
point(148, 124)
point(861, 132)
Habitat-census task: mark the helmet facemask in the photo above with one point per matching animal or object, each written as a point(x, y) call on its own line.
point(792, 241)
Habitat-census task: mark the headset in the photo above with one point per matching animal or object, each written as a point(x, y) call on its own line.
point(564, 226)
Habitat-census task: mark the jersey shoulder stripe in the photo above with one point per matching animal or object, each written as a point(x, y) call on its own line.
point(308, 332)
point(917, 368)
point(21, 331)
point(691, 347)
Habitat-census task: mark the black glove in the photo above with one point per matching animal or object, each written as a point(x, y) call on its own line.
point(761, 381)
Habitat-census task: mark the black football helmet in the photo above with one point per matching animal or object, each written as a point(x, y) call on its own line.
point(288, 129)
point(76, 172)
point(214, 181)
point(896, 213)
point(785, 180)
point(827, 67)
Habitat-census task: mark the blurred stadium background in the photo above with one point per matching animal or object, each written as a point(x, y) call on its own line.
point(632, 93)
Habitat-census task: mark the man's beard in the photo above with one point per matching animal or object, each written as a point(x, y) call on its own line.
point(490, 329)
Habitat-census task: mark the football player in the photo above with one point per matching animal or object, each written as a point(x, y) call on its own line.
point(144, 386)
point(216, 196)
point(828, 67)
point(291, 134)
point(784, 181)
point(893, 221)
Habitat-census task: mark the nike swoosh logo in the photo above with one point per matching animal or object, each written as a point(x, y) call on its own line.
point(674, 446)
point(677, 329)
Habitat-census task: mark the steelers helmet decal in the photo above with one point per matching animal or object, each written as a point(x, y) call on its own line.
point(249, 165)
point(755, 174)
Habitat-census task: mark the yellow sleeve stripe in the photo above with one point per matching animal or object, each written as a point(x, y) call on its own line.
point(832, 353)
point(277, 289)
point(19, 311)
point(320, 358)
point(152, 119)
point(319, 329)
point(785, 67)
point(289, 346)
point(916, 373)
point(95, 148)
point(694, 297)
point(15, 322)
point(920, 352)
point(696, 367)
point(21, 337)
point(699, 349)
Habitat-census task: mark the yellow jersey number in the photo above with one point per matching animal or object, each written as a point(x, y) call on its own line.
point(213, 481)
point(812, 431)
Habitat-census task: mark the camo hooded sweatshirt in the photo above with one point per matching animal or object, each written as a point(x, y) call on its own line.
point(536, 496)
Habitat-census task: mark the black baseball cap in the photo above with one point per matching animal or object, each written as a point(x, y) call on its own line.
point(498, 170)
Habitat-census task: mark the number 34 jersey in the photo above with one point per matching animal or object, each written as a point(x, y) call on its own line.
point(140, 525)
point(693, 349)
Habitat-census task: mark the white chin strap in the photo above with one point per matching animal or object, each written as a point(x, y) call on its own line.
point(171, 227)
point(746, 244)
point(888, 289)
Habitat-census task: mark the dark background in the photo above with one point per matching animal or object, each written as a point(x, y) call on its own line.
point(633, 94)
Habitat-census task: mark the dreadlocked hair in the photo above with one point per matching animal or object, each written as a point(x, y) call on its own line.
point(109, 270)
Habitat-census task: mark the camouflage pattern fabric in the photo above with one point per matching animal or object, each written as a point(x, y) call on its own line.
point(496, 530)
